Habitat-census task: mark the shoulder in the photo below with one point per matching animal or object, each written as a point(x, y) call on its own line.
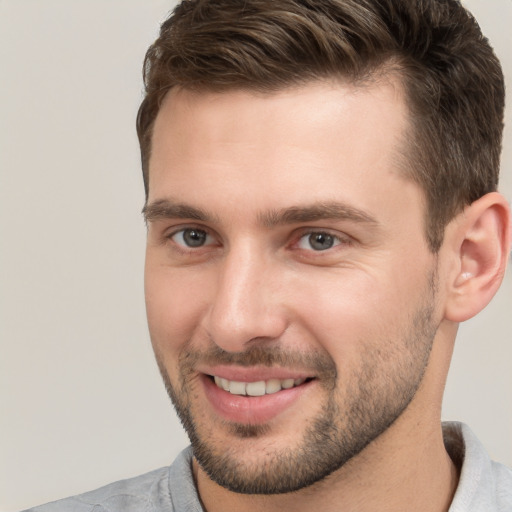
point(503, 486)
point(484, 485)
point(156, 491)
point(126, 495)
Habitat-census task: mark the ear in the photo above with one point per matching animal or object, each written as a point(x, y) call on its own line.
point(480, 243)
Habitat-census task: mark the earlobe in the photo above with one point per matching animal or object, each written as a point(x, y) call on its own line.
point(482, 245)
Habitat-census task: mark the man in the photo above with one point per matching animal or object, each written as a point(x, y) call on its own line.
point(322, 214)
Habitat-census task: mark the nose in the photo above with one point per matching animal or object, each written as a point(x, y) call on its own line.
point(246, 307)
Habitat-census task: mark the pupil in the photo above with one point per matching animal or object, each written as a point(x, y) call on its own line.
point(321, 241)
point(194, 237)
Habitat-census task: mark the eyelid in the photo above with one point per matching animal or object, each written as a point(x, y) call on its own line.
point(172, 230)
point(170, 233)
point(340, 238)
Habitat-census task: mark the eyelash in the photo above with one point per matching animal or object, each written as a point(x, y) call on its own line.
point(337, 239)
point(181, 247)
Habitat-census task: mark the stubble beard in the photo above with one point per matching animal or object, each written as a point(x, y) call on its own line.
point(384, 386)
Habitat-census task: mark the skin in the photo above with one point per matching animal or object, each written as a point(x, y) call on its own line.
point(378, 308)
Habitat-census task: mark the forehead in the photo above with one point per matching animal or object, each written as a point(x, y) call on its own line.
point(316, 142)
point(309, 106)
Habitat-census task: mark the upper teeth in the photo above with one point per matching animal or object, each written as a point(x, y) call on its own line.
point(259, 388)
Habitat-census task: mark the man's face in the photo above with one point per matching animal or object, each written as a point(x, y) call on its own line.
point(290, 291)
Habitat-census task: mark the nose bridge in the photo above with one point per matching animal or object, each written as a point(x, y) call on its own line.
point(245, 306)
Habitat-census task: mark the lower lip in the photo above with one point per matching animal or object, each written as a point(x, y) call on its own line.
point(251, 410)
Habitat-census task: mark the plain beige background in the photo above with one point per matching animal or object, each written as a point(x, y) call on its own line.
point(81, 402)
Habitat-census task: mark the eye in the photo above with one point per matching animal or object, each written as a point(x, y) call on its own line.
point(192, 238)
point(318, 241)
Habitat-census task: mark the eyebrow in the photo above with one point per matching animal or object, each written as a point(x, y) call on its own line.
point(315, 212)
point(167, 209)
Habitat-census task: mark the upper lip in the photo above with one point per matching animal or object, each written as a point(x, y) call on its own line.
point(253, 373)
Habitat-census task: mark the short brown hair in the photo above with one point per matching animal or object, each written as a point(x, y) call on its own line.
point(453, 81)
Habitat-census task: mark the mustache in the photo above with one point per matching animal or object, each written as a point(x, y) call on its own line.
point(318, 363)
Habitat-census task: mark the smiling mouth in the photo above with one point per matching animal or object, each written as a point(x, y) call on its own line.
point(259, 388)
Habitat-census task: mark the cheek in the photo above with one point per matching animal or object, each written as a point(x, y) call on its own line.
point(353, 308)
point(174, 304)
